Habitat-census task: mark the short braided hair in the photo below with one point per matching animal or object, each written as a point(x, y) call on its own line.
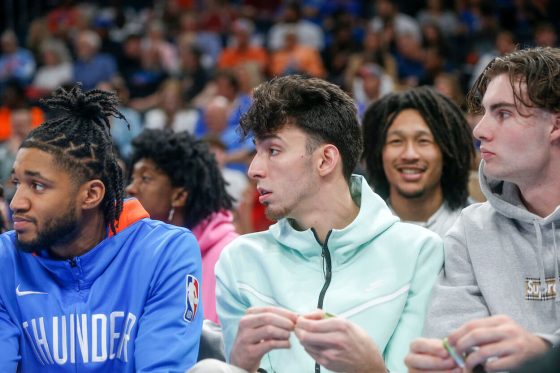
point(79, 139)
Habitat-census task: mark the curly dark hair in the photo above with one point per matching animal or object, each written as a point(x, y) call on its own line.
point(319, 108)
point(80, 141)
point(448, 126)
point(188, 163)
point(537, 68)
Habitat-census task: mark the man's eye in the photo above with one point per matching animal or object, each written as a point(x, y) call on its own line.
point(38, 187)
point(504, 115)
point(274, 151)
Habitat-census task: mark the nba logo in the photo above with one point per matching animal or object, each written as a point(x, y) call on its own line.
point(192, 298)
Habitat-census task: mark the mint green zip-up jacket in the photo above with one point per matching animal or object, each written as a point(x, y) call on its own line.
point(382, 275)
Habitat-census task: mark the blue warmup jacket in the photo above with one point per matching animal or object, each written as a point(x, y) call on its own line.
point(128, 305)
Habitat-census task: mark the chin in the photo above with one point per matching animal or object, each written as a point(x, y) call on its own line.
point(412, 194)
point(274, 215)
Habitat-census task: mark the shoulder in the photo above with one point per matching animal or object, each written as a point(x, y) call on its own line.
point(253, 249)
point(412, 233)
point(7, 246)
point(251, 244)
point(477, 215)
point(158, 237)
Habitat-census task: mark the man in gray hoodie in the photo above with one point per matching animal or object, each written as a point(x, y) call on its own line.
point(496, 300)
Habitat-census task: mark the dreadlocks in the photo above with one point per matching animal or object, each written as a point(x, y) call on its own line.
point(448, 126)
point(79, 139)
point(189, 164)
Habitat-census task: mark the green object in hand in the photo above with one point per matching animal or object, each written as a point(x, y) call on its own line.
point(454, 355)
point(328, 315)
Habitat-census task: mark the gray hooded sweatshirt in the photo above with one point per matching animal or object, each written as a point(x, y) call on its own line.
point(499, 259)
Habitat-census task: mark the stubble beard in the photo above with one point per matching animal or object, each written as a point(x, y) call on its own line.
point(59, 231)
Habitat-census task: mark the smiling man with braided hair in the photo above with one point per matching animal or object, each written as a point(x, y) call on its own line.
point(88, 281)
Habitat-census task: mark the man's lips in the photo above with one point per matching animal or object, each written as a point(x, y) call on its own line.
point(21, 222)
point(263, 194)
point(486, 154)
point(411, 173)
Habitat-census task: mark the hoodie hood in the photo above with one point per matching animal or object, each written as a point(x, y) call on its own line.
point(506, 199)
point(373, 219)
point(215, 228)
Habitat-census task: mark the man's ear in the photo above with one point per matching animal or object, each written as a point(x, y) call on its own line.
point(179, 197)
point(329, 158)
point(92, 193)
point(555, 131)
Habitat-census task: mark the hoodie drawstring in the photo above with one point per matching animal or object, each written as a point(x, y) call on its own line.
point(542, 280)
point(555, 248)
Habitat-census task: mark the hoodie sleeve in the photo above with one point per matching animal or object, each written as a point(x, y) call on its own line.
point(456, 297)
point(9, 341)
point(229, 304)
point(10, 333)
point(553, 339)
point(170, 326)
point(428, 265)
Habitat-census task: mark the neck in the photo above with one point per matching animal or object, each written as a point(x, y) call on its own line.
point(332, 208)
point(416, 209)
point(541, 198)
point(91, 230)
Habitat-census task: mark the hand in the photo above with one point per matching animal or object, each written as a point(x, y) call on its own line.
point(501, 343)
point(429, 355)
point(261, 330)
point(338, 344)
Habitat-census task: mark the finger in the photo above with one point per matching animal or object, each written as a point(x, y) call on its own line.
point(245, 356)
point(429, 362)
point(318, 340)
point(315, 315)
point(480, 337)
point(454, 370)
point(429, 346)
point(263, 347)
point(276, 310)
point(267, 332)
point(486, 322)
point(502, 363)
point(322, 325)
point(490, 352)
point(250, 321)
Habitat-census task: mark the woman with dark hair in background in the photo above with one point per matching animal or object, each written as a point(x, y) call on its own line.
point(178, 181)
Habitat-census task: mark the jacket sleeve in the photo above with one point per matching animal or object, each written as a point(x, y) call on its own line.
point(553, 339)
point(9, 341)
point(428, 264)
point(170, 325)
point(229, 303)
point(456, 297)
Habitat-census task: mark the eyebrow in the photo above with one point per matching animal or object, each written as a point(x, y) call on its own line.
point(500, 105)
point(36, 174)
point(267, 138)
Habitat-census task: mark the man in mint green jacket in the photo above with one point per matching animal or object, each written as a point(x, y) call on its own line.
point(338, 282)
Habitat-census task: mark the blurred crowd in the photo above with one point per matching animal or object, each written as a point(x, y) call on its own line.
point(191, 65)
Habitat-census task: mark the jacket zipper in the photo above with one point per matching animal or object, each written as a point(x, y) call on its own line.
point(327, 271)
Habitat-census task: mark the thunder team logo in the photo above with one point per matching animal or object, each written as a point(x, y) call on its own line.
point(192, 298)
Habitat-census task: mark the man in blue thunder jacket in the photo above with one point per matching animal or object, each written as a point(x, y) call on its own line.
point(88, 283)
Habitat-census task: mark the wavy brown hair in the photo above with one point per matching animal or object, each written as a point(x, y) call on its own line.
point(537, 68)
